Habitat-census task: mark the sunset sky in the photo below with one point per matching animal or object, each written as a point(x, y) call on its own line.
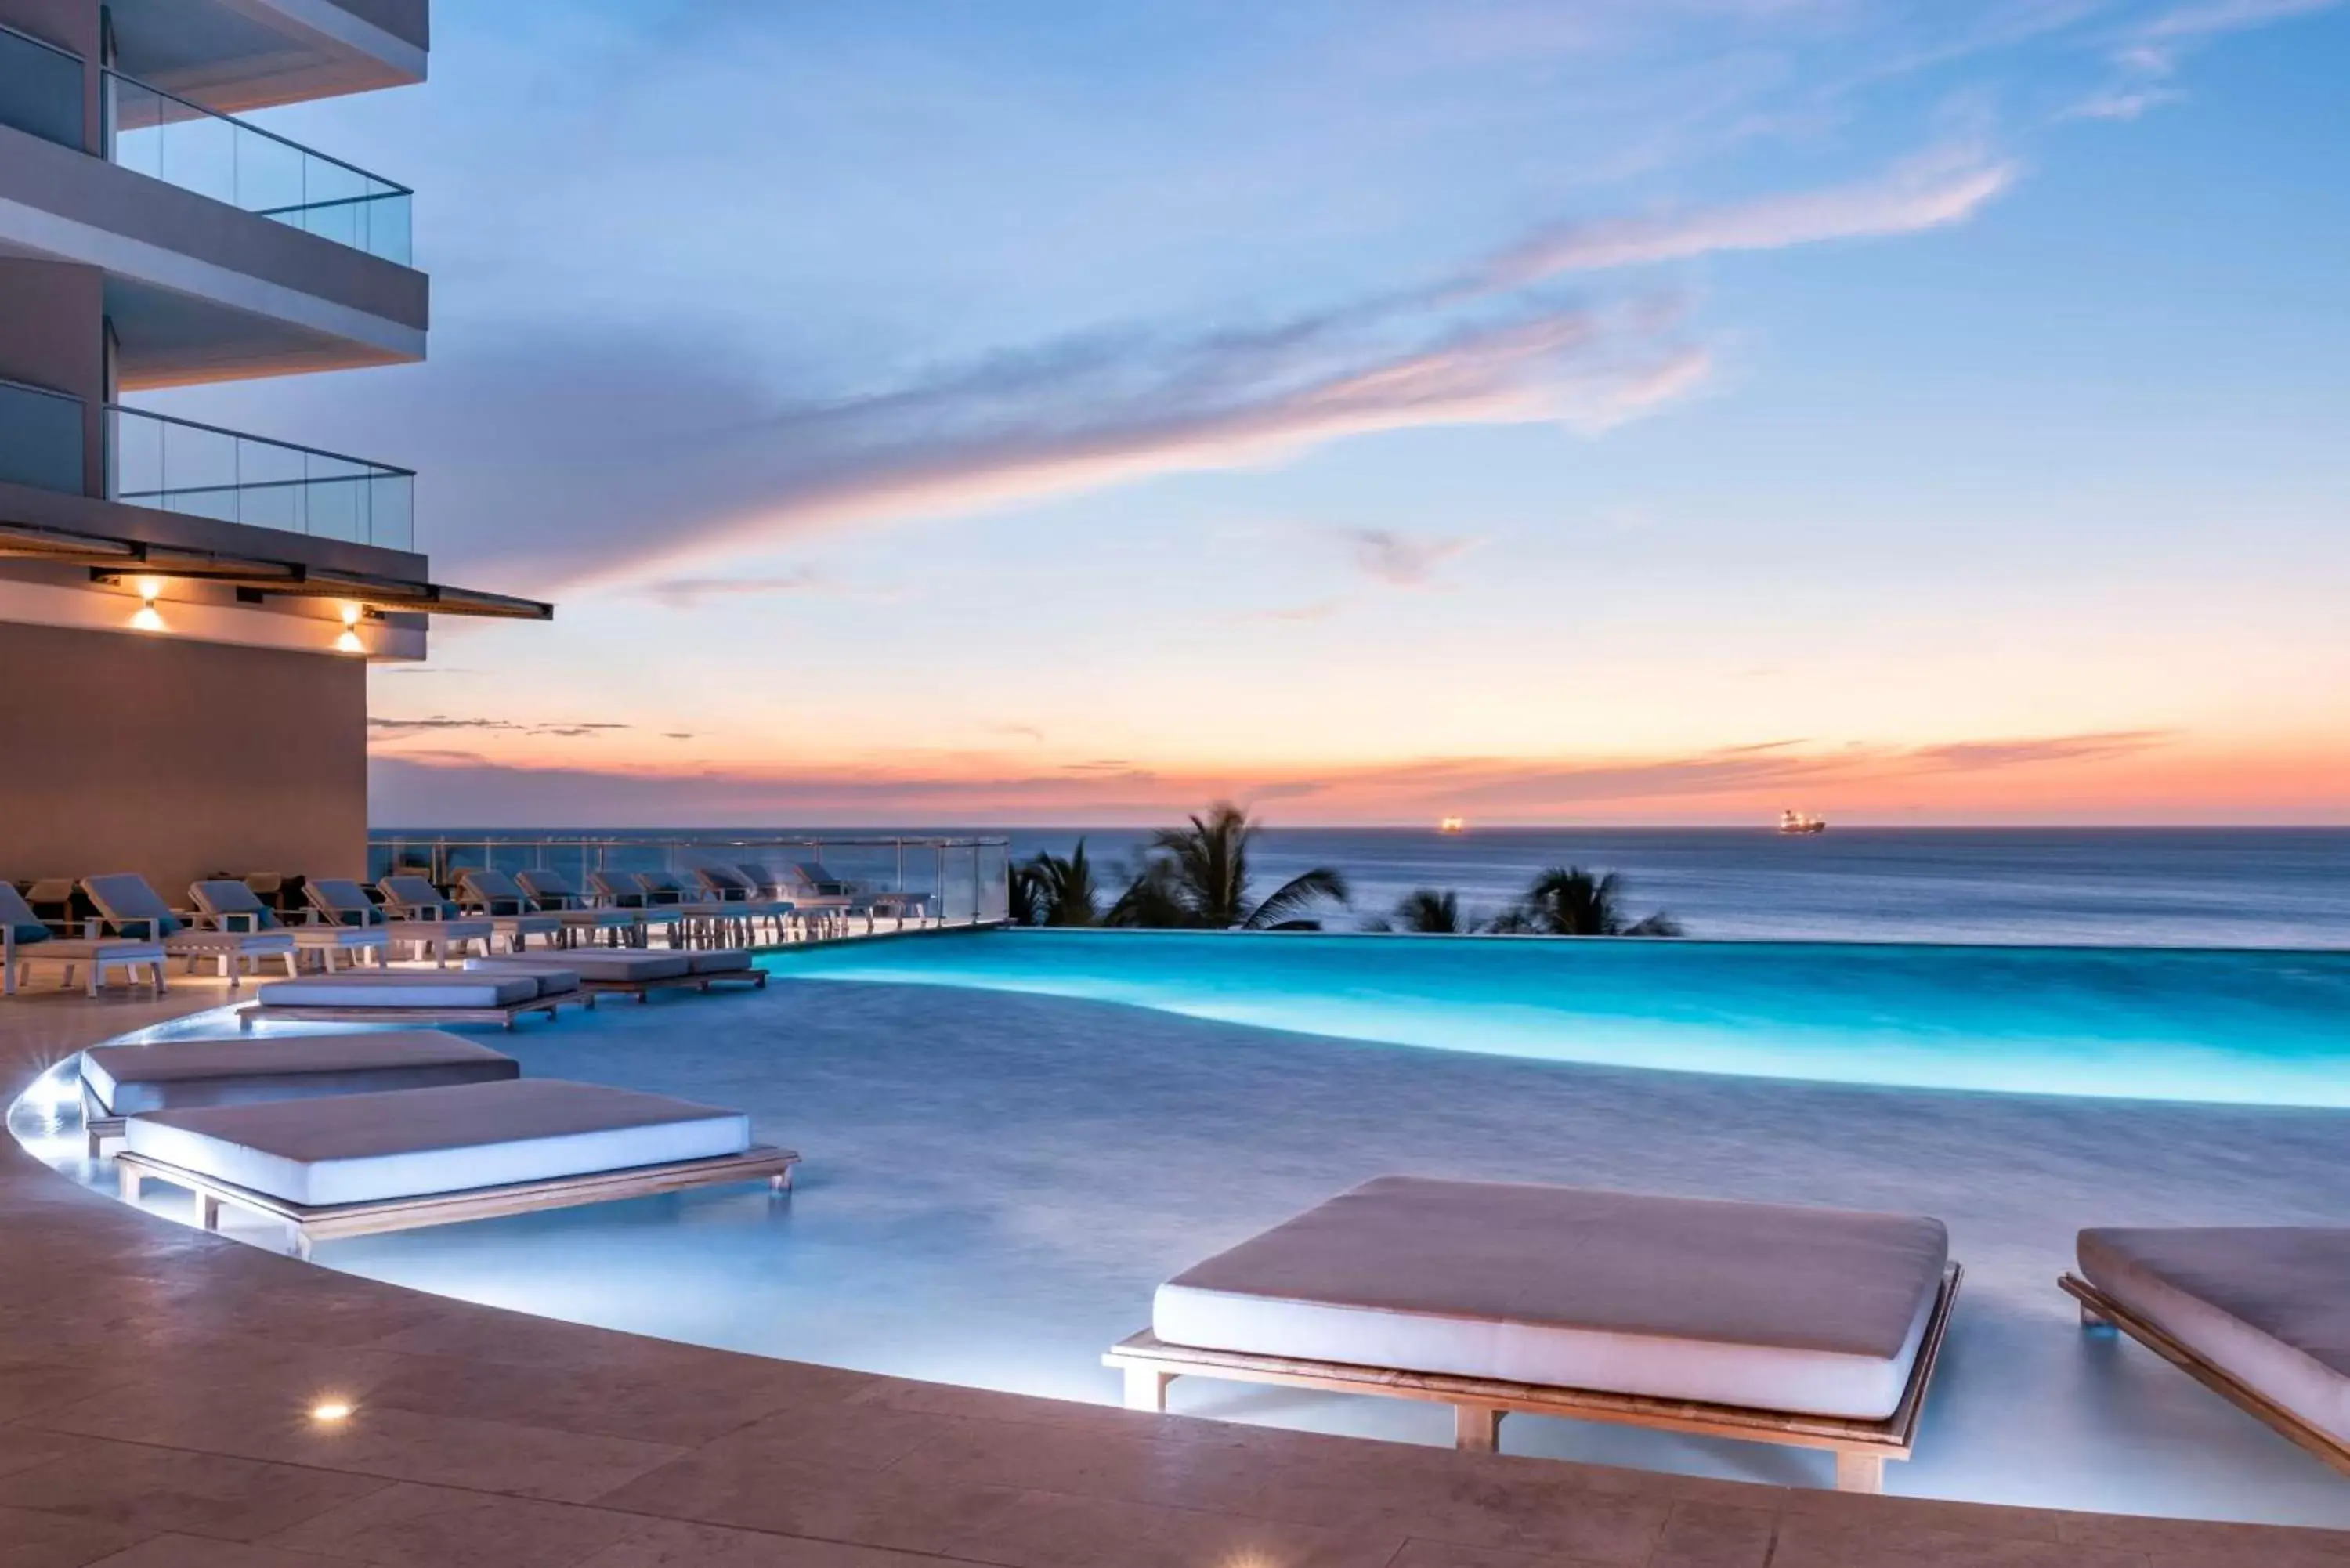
point(1566, 410)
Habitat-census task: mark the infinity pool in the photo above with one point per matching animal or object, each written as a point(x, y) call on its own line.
point(2239, 1026)
point(996, 1179)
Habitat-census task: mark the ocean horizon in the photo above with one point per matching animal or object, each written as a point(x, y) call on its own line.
point(2185, 887)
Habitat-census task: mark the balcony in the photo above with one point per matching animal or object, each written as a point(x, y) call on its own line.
point(167, 138)
point(200, 470)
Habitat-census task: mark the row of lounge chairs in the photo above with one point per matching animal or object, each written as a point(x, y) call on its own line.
point(135, 930)
point(1806, 1327)
point(347, 1135)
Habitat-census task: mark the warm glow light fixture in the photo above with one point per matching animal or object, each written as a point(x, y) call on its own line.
point(148, 617)
point(329, 1411)
point(349, 642)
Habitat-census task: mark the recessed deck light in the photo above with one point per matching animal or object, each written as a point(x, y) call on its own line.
point(329, 1411)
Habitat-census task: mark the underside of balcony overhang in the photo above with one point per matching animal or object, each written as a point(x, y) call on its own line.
point(233, 55)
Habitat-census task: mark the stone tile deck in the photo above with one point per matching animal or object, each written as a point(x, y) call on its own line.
point(156, 1383)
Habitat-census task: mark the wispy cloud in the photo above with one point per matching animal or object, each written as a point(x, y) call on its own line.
point(399, 729)
point(1402, 561)
point(2124, 103)
point(1946, 185)
point(1312, 610)
point(691, 593)
point(1968, 755)
point(2151, 50)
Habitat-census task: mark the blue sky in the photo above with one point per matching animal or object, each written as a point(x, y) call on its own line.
point(1626, 410)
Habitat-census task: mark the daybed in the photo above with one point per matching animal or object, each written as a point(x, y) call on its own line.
point(417, 997)
point(1809, 1327)
point(634, 974)
point(357, 1164)
point(2261, 1315)
point(119, 1081)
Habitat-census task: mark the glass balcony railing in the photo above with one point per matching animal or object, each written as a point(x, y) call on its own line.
point(41, 438)
point(198, 470)
point(40, 88)
point(187, 145)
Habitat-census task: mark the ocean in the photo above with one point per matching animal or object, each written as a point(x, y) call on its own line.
point(2126, 887)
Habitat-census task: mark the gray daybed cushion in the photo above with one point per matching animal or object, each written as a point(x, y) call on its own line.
point(1819, 1311)
point(406, 1143)
point(2269, 1306)
point(615, 967)
point(403, 988)
point(720, 960)
point(132, 1079)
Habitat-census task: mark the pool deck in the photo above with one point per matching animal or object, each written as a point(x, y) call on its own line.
point(155, 1385)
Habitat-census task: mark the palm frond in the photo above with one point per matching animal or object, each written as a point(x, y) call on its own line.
point(1300, 893)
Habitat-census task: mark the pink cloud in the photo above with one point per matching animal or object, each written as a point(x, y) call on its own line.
point(1940, 188)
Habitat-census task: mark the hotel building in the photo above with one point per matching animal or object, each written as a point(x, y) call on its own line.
point(187, 613)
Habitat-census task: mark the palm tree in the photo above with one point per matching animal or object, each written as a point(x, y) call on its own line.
point(1568, 901)
point(1425, 910)
point(1198, 875)
point(1066, 893)
point(1024, 891)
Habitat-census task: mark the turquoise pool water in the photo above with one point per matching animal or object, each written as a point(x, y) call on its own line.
point(2235, 1026)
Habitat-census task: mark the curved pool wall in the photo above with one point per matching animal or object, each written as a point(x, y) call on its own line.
point(2229, 1026)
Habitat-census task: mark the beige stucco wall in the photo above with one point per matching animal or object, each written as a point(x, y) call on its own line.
point(177, 760)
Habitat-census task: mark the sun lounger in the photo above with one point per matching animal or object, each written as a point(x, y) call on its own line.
point(416, 997)
point(635, 973)
point(552, 892)
point(25, 940)
point(706, 920)
point(119, 1081)
point(2261, 1315)
point(359, 1164)
point(619, 890)
point(134, 909)
point(746, 904)
point(424, 934)
point(1807, 1327)
point(411, 897)
point(234, 907)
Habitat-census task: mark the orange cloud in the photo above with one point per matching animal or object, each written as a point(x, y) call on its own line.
point(2117, 777)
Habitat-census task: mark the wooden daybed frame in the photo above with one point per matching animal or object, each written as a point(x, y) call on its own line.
point(307, 1224)
point(254, 1013)
point(640, 988)
point(1861, 1448)
point(2100, 1311)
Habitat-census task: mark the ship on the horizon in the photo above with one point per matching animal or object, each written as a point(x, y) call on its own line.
point(1452, 825)
point(1801, 822)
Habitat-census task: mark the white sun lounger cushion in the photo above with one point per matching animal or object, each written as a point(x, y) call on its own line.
point(406, 1143)
point(1819, 1311)
point(170, 1075)
point(617, 967)
point(2268, 1305)
point(721, 961)
point(403, 990)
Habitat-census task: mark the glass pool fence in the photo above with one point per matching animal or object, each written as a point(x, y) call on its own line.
point(966, 881)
